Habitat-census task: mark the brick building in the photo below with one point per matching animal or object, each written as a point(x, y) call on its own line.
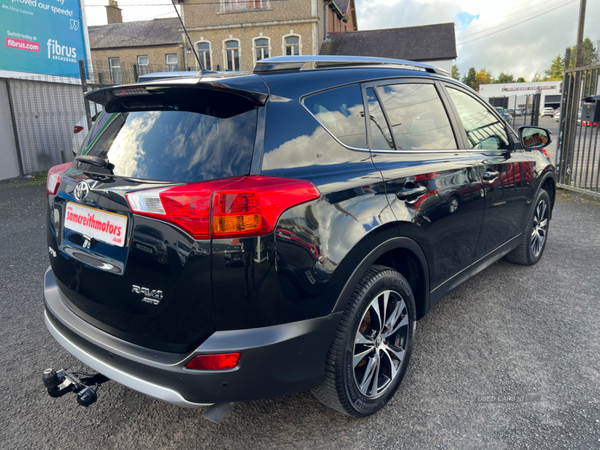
point(122, 51)
point(234, 34)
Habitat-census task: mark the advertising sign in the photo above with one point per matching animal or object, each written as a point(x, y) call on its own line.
point(42, 37)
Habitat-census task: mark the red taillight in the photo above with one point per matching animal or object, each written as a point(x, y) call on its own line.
point(77, 129)
point(219, 361)
point(245, 206)
point(425, 176)
point(422, 198)
point(53, 180)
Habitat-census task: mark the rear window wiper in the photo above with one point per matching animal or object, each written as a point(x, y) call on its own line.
point(95, 161)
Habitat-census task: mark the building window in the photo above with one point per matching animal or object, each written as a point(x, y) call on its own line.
point(115, 70)
point(143, 66)
point(204, 54)
point(292, 45)
point(171, 61)
point(232, 49)
point(262, 48)
point(237, 5)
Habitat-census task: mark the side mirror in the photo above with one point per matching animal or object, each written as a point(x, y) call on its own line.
point(534, 137)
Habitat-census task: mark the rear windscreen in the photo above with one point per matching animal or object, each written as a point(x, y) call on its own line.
point(181, 135)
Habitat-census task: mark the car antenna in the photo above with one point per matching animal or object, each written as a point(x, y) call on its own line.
point(188, 36)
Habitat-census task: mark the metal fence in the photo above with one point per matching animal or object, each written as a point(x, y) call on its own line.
point(578, 147)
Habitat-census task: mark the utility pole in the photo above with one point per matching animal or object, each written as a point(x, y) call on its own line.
point(580, 32)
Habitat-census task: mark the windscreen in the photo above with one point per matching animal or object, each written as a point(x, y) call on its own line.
point(181, 135)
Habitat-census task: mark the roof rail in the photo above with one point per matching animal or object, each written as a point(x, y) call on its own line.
point(295, 63)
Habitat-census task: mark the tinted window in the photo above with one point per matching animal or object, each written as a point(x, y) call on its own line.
point(341, 111)
point(381, 138)
point(197, 137)
point(483, 129)
point(417, 117)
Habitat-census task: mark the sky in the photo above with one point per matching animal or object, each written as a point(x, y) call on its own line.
point(511, 36)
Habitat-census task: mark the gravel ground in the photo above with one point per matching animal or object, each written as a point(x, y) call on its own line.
point(508, 360)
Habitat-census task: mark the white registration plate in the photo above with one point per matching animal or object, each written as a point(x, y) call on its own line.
point(100, 225)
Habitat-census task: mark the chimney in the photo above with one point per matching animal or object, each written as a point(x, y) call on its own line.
point(113, 12)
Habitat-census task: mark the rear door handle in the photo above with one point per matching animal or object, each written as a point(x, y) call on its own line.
point(489, 176)
point(407, 193)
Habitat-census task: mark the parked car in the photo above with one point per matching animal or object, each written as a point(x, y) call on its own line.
point(557, 115)
point(80, 129)
point(547, 112)
point(373, 186)
point(518, 112)
point(504, 113)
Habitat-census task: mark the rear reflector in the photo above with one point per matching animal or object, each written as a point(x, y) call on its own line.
point(219, 361)
point(77, 129)
point(243, 206)
point(53, 180)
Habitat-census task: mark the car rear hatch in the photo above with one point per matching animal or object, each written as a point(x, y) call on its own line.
point(128, 264)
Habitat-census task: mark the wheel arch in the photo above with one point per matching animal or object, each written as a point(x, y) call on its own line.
point(402, 254)
point(548, 183)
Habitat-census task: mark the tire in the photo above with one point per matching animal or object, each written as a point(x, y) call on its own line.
point(453, 204)
point(358, 350)
point(535, 234)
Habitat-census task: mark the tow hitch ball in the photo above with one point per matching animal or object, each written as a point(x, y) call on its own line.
point(60, 383)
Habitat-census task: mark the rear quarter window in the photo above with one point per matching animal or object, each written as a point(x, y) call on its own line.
point(341, 112)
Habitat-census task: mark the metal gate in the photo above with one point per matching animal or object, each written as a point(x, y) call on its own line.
point(578, 147)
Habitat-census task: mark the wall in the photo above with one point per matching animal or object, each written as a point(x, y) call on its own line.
point(246, 36)
point(9, 165)
point(442, 64)
point(128, 56)
point(45, 114)
point(204, 13)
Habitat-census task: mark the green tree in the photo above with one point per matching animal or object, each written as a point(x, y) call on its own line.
point(506, 78)
point(520, 80)
point(588, 55)
point(455, 72)
point(469, 78)
point(537, 77)
point(556, 70)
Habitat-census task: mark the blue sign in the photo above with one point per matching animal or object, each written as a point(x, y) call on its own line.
point(41, 37)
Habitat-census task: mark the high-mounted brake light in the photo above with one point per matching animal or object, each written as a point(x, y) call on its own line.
point(243, 206)
point(53, 180)
point(129, 91)
point(218, 361)
point(77, 129)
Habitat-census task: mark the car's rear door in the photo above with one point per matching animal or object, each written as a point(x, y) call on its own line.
point(431, 181)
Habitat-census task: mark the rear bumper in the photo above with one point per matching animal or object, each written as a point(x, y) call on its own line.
point(276, 360)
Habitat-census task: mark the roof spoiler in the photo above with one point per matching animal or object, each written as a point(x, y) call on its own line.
point(295, 63)
point(251, 87)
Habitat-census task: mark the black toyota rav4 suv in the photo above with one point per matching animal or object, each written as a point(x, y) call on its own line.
point(224, 238)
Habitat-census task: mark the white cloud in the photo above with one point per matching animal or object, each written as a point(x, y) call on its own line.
point(521, 49)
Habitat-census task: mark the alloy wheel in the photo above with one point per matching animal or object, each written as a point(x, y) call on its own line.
point(380, 344)
point(540, 229)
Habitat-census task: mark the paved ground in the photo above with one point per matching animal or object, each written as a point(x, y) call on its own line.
point(509, 360)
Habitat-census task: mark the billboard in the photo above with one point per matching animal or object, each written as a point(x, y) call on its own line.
point(42, 37)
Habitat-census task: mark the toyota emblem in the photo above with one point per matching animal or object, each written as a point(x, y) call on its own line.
point(81, 190)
